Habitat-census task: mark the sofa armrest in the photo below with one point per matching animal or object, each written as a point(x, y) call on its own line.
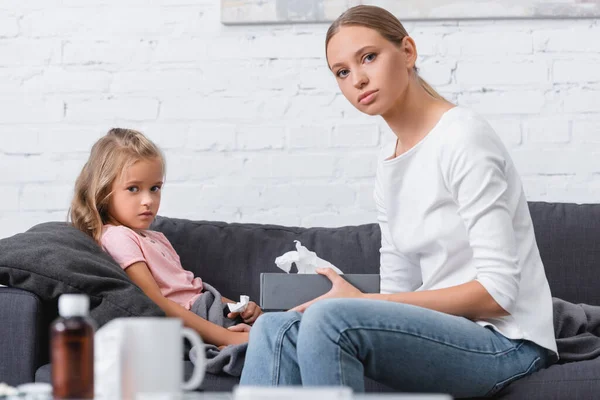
point(20, 313)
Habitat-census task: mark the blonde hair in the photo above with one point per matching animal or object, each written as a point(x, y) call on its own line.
point(382, 21)
point(112, 154)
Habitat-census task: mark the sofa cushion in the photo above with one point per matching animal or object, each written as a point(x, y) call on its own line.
point(568, 239)
point(19, 314)
point(55, 258)
point(577, 380)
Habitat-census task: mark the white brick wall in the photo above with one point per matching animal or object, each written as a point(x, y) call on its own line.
point(251, 121)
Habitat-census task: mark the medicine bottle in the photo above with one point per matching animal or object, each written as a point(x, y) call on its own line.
point(72, 349)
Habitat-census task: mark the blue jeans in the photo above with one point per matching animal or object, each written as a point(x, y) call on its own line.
point(411, 349)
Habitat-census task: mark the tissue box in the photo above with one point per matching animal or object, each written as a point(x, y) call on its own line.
point(284, 291)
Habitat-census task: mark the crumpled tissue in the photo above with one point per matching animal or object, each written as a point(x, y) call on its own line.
point(239, 306)
point(6, 390)
point(306, 261)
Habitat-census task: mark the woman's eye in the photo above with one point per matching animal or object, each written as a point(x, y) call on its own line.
point(133, 189)
point(342, 73)
point(370, 57)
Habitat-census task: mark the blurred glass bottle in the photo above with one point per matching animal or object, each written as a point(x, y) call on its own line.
point(72, 349)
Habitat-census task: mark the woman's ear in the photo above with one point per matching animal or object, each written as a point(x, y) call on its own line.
point(409, 49)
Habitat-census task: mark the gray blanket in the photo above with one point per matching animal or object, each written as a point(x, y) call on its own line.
point(230, 360)
point(55, 258)
point(577, 330)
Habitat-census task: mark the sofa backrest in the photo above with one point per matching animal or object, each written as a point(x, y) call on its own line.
point(568, 237)
point(232, 256)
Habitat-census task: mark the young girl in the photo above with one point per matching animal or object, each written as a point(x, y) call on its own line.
point(117, 196)
point(465, 306)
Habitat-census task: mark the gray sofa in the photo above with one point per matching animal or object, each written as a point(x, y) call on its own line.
point(231, 257)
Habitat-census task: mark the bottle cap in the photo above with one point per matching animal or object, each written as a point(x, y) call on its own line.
point(73, 305)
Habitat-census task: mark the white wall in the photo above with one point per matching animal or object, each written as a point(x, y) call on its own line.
point(252, 123)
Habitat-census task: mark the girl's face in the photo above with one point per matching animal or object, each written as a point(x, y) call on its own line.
point(372, 72)
point(135, 195)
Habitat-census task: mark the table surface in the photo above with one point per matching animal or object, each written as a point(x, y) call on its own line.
point(229, 396)
point(362, 396)
point(288, 393)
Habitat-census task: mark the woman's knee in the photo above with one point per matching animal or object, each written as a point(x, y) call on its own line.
point(324, 315)
point(268, 323)
point(334, 316)
point(330, 310)
point(322, 326)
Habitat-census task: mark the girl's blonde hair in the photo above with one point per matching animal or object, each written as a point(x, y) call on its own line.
point(112, 154)
point(382, 21)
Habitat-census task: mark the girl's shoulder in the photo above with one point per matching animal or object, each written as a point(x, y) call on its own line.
point(157, 236)
point(116, 232)
point(154, 234)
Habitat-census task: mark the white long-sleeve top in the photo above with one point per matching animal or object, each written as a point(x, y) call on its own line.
point(452, 210)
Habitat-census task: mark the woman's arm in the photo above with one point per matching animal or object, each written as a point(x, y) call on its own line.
point(480, 176)
point(470, 300)
point(210, 333)
point(475, 170)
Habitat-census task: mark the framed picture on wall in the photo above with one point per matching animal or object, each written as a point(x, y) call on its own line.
point(288, 11)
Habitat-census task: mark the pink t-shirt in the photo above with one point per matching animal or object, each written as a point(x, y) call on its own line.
point(128, 247)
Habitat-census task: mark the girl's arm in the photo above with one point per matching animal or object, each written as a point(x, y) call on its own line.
point(210, 333)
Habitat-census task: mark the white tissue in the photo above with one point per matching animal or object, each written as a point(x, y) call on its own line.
point(240, 306)
point(6, 390)
point(306, 261)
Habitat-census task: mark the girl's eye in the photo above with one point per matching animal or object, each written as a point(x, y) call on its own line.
point(133, 189)
point(370, 57)
point(155, 188)
point(342, 73)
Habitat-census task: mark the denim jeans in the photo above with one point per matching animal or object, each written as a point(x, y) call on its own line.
point(411, 349)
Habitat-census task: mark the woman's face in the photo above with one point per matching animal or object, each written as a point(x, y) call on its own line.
point(372, 72)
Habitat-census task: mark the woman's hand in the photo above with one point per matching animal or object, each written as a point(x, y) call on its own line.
point(340, 289)
point(250, 314)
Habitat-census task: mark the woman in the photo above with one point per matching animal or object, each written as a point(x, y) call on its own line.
point(465, 307)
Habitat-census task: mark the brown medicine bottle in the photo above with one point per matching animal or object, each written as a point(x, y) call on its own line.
point(72, 349)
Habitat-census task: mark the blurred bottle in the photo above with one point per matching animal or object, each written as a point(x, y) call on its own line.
point(72, 349)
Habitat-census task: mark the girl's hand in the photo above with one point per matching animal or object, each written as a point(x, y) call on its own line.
point(240, 328)
point(250, 314)
point(340, 288)
point(235, 337)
